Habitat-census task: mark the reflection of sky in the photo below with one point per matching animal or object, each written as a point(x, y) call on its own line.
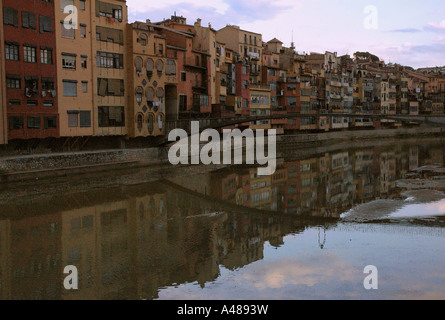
point(421, 210)
point(410, 267)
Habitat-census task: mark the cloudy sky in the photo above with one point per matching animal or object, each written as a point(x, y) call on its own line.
point(409, 32)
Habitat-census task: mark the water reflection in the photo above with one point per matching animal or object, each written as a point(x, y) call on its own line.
point(204, 236)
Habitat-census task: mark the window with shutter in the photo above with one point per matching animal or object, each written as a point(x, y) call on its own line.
point(160, 93)
point(66, 3)
point(73, 119)
point(28, 20)
point(85, 119)
point(150, 94)
point(10, 17)
point(159, 66)
point(69, 89)
point(45, 24)
point(138, 64)
point(170, 67)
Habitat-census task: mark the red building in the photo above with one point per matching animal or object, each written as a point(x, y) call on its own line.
point(242, 86)
point(193, 70)
point(31, 86)
point(289, 97)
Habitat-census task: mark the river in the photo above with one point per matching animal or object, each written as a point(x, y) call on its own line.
point(307, 232)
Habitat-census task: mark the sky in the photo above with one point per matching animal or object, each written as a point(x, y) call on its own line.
point(408, 32)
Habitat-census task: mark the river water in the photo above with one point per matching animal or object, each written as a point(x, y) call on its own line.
point(307, 232)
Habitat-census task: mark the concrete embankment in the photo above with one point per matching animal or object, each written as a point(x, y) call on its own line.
point(47, 166)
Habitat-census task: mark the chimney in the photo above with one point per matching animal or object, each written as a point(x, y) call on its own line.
point(198, 22)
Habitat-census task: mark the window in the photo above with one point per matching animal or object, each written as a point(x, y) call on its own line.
point(32, 103)
point(111, 60)
point(12, 51)
point(33, 122)
point(65, 3)
point(161, 49)
point(183, 76)
point(50, 122)
point(245, 84)
point(85, 119)
point(16, 123)
point(47, 84)
point(83, 62)
point(138, 64)
point(110, 35)
point(143, 39)
point(200, 100)
point(69, 88)
point(69, 61)
point(13, 82)
point(139, 93)
point(14, 103)
point(182, 102)
point(73, 119)
point(29, 54)
point(82, 4)
point(110, 87)
point(85, 86)
point(170, 67)
point(68, 31)
point(47, 103)
point(10, 17)
point(83, 30)
point(45, 23)
point(159, 66)
point(46, 56)
point(111, 117)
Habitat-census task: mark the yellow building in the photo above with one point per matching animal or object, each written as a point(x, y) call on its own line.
point(249, 45)
point(90, 67)
point(3, 123)
point(108, 24)
point(260, 106)
point(152, 80)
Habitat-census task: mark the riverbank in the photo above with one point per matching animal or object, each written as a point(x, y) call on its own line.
point(55, 165)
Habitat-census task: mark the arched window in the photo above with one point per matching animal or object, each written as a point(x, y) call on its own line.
point(138, 64)
point(151, 122)
point(139, 94)
point(140, 120)
point(159, 66)
point(143, 39)
point(170, 67)
point(150, 95)
point(160, 93)
point(160, 121)
point(150, 66)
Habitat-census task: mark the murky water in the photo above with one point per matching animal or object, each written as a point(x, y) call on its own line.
point(305, 233)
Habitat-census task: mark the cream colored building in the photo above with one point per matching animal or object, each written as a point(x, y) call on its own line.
point(249, 45)
point(74, 69)
point(152, 80)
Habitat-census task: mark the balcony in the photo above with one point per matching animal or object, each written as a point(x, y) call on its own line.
point(193, 63)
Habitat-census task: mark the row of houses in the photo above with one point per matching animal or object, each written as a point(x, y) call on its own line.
point(77, 68)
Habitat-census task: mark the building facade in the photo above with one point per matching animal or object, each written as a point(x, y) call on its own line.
point(30, 69)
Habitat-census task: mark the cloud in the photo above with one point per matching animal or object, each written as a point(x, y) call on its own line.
point(406, 30)
point(437, 26)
